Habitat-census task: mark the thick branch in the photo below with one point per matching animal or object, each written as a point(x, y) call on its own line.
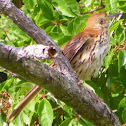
point(81, 99)
point(37, 52)
point(27, 25)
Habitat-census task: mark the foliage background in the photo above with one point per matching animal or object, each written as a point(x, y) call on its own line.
point(61, 20)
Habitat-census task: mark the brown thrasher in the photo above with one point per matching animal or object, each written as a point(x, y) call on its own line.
point(85, 51)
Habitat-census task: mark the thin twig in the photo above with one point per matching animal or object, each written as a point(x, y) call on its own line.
point(5, 31)
point(96, 9)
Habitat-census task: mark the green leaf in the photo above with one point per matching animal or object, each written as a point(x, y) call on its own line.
point(47, 9)
point(112, 41)
point(49, 29)
point(115, 26)
point(113, 4)
point(123, 7)
point(107, 5)
point(29, 3)
point(121, 59)
point(108, 59)
point(1, 119)
point(18, 121)
point(8, 83)
point(66, 122)
point(63, 40)
point(26, 119)
point(88, 3)
point(94, 86)
point(124, 115)
point(67, 7)
point(31, 106)
point(40, 20)
point(45, 113)
point(69, 110)
point(64, 30)
point(75, 122)
point(71, 28)
point(55, 36)
point(79, 23)
point(84, 122)
point(122, 104)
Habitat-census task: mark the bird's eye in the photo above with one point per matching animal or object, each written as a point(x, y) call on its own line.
point(102, 21)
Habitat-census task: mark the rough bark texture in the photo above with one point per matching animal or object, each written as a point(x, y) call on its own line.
point(37, 52)
point(81, 99)
point(62, 84)
point(38, 35)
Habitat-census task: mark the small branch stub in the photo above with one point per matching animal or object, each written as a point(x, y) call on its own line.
point(37, 52)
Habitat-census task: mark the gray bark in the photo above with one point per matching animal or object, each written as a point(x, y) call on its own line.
point(83, 100)
point(37, 34)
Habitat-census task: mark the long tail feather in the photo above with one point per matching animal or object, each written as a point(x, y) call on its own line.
point(21, 105)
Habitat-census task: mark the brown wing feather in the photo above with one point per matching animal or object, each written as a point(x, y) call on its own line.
point(71, 49)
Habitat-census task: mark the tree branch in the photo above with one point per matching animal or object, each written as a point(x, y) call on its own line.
point(38, 35)
point(96, 9)
point(80, 98)
point(37, 52)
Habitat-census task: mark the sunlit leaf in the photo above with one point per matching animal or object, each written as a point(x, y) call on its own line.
point(26, 118)
point(114, 26)
point(66, 122)
point(113, 4)
point(67, 7)
point(122, 104)
point(108, 59)
point(45, 113)
point(124, 115)
point(121, 59)
point(47, 9)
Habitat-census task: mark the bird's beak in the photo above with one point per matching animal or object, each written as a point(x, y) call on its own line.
point(113, 15)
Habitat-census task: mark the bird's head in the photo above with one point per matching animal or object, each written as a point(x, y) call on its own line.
point(99, 20)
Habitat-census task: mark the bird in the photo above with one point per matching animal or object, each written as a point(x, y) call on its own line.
point(86, 52)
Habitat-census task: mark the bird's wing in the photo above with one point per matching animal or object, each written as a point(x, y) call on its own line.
point(71, 49)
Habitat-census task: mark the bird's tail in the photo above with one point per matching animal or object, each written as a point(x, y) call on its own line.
point(21, 105)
